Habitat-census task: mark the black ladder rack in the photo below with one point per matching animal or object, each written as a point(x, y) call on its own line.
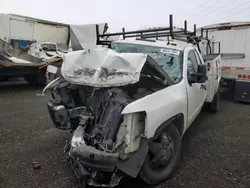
point(182, 34)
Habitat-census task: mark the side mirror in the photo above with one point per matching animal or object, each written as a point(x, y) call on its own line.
point(199, 77)
point(202, 73)
point(192, 78)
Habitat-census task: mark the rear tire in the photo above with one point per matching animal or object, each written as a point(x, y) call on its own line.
point(151, 175)
point(215, 104)
point(4, 79)
point(36, 79)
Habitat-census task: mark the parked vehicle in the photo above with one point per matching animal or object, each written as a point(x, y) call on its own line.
point(232, 41)
point(130, 104)
point(45, 40)
point(30, 63)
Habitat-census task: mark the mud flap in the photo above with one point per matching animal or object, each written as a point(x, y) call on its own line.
point(242, 91)
point(133, 164)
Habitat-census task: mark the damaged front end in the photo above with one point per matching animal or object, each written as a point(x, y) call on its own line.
point(106, 144)
point(102, 143)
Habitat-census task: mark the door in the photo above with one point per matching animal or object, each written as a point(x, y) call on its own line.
point(204, 86)
point(194, 90)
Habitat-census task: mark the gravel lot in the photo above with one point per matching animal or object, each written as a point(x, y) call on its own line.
point(216, 149)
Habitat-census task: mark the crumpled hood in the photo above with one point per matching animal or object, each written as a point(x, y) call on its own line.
point(102, 67)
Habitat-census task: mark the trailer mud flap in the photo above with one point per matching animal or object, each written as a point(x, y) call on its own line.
point(242, 91)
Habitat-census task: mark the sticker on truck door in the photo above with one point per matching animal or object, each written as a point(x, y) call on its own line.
point(170, 51)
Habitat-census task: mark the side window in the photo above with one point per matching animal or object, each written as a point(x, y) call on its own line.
point(192, 63)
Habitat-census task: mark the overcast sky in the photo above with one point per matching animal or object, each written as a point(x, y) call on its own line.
point(131, 14)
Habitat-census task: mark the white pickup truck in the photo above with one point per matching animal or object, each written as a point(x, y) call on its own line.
point(129, 106)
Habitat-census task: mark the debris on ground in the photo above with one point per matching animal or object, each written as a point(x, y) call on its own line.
point(36, 165)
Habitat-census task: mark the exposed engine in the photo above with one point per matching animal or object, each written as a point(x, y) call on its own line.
point(103, 117)
point(95, 107)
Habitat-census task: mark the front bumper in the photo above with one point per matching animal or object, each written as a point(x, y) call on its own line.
point(94, 159)
point(93, 167)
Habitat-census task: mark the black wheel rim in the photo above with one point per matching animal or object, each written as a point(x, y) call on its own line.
point(160, 152)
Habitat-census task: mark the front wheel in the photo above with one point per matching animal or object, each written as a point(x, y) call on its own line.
point(163, 156)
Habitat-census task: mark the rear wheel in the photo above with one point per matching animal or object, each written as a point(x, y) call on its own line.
point(4, 79)
point(36, 79)
point(163, 156)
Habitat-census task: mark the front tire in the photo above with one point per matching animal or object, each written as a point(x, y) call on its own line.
point(163, 156)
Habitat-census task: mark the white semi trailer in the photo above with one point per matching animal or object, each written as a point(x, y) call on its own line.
point(24, 30)
point(21, 31)
point(232, 41)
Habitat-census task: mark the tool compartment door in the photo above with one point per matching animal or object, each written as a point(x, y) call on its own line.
point(214, 75)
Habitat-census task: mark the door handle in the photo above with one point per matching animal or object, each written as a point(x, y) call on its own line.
point(203, 87)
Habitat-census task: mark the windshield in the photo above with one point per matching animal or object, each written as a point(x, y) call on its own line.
point(168, 59)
